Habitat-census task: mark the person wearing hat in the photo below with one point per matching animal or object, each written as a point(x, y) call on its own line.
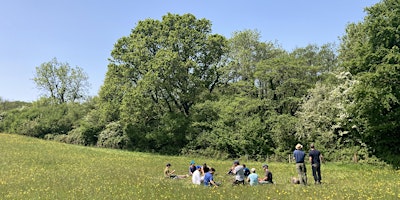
point(268, 176)
point(168, 173)
point(252, 178)
point(315, 158)
point(299, 155)
point(238, 171)
point(196, 177)
point(192, 167)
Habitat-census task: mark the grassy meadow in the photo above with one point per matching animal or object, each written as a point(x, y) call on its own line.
point(37, 169)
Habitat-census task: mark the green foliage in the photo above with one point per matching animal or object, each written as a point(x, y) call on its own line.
point(156, 75)
point(61, 82)
point(371, 52)
point(172, 87)
point(113, 136)
point(43, 119)
point(6, 105)
point(324, 118)
point(229, 128)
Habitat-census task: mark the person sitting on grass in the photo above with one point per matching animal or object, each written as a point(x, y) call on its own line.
point(268, 176)
point(196, 177)
point(246, 170)
point(237, 170)
point(209, 178)
point(253, 177)
point(168, 173)
point(192, 168)
point(204, 169)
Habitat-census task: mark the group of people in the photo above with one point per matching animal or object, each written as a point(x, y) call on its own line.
point(205, 174)
point(243, 174)
point(200, 174)
point(315, 158)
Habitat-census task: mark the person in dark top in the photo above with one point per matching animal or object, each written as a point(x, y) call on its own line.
point(204, 169)
point(268, 176)
point(315, 158)
point(192, 167)
point(246, 170)
point(299, 156)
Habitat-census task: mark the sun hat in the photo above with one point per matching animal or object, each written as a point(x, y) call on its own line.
point(198, 167)
point(299, 146)
point(192, 162)
point(253, 170)
point(236, 162)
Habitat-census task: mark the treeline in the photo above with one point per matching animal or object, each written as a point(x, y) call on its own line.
point(173, 87)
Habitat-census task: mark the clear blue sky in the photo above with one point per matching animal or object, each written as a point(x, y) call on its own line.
point(83, 32)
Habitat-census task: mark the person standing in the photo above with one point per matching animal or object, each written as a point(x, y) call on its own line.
point(315, 157)
point(299, 156)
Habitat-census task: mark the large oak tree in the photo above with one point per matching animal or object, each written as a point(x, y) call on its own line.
point(158, 73)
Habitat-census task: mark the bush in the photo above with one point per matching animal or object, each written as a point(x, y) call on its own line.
point(113, 136)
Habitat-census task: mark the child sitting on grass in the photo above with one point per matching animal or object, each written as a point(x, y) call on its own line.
point(168, 173)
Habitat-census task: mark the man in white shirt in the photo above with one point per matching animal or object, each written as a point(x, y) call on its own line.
point(196, 178)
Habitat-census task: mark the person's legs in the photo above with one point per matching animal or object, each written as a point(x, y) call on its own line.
point(237, 182)
point(303, 174)
point(318, 171)
point(314, 172)
point(299, 171)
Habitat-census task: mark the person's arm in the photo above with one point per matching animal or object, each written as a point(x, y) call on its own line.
point(321, 158)
point(310, 159)
point(213, 183)
point(233, 170)
point(171, 172)
point(168, 173)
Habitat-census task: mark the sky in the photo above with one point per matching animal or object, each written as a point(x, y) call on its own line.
point(83, 32)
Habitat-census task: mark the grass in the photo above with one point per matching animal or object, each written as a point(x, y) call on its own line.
point(36, 169)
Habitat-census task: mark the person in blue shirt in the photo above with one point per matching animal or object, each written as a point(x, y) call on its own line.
point(209, 179)
point(299, 156)
point(253, 177)
point(192, 167)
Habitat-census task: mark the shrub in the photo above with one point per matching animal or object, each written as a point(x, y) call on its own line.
point(113, 136)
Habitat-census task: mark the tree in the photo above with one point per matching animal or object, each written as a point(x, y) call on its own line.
point(370, 50)
point(158, 73)
point(61, 82)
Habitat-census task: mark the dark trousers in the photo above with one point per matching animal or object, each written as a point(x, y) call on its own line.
point(236, 182)
point(316, 172)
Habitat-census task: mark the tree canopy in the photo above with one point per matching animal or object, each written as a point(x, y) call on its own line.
point(61, 82)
